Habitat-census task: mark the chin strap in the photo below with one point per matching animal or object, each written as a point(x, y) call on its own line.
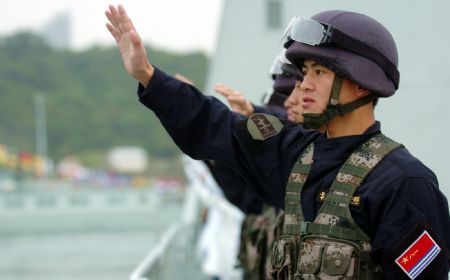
point(315, 121)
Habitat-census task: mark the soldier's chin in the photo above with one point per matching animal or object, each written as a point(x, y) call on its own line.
point(312, 111)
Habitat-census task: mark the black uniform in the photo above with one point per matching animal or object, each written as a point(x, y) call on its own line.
point(235, 188)
point(398, 199)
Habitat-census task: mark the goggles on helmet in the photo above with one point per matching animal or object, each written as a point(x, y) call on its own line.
point(275, 69)
point(281, 59)
point(313, 33)
point(306, 31)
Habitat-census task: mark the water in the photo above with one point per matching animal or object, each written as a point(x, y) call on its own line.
point(103, 238)
point(92, 255)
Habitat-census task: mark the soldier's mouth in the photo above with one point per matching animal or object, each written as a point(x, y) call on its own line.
point(307, 102)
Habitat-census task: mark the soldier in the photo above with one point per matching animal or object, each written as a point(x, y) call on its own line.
point(259, 229)
point(263, 223)
point(359, 205)
point(283, 74)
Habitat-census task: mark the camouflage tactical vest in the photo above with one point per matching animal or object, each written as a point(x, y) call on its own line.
point(333, 246)
point(258, 234)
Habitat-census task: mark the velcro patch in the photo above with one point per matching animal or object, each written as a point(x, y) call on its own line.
point(418, 255)
point(262, 126)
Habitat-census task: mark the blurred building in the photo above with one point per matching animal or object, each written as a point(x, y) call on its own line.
point(129, 160)
point(248, 42)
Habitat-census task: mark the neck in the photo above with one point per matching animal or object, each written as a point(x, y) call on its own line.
point(353, 123)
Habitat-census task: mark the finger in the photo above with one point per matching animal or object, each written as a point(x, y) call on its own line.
point(115, 17)
point(238, 93)
point(112, 15)
point(111, 19)
point(222, 93)
point(220, 89)
point(224, 90)
point(235, 99)
point(125, 24)
point(125, 16)
point(113, 32)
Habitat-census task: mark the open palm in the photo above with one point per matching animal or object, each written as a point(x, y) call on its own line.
point(131, 48)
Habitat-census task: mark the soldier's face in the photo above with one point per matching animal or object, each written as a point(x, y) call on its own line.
point(293, 104)
point(316, 87)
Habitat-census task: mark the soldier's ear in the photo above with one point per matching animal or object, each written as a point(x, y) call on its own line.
point(361, 92)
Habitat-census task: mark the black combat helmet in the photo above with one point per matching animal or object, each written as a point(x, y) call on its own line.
point(284, 75)
point(352, 45)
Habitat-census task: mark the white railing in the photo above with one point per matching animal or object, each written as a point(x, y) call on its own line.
point(180, 251)
point(152, 266)
point(77, 200)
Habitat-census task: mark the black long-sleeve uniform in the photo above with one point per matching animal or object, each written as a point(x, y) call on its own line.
point(399, 199)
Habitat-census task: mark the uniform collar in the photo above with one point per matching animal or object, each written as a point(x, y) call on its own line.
point(340, 148)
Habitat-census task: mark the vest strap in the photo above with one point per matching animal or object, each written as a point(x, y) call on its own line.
point(292, 201)
point(334, 212)
point(335, 209)
point(332, 231)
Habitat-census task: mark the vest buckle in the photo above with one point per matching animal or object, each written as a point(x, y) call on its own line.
point(304, 228)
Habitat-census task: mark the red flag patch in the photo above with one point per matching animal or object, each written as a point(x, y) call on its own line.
point(418, 256)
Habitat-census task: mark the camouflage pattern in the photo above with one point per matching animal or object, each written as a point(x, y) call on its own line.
point(248, 252)
point(335, 209)
point(327, 259)
point(257, 237)
point(284, 256)
point(274, 233)
point(333, 246)
point(293, 212)
point(328, 219)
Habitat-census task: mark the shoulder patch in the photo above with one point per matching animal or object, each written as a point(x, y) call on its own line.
point(262, 126)
point(418, 255)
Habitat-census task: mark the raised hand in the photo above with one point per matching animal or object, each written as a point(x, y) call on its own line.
point(237, 101)
point(132, 49)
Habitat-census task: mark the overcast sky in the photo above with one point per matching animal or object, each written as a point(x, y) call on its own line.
point(180, 25)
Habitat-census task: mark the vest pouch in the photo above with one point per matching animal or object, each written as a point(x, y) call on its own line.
point(284, 256)
point(325, 258)
point(253, 248)
point(273, 234)
point(247, 252)
point(310, 257)
point(338, 259)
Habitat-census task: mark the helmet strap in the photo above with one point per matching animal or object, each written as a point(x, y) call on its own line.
point(315, 121)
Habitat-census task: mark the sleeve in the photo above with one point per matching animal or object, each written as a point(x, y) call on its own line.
point(201, 126)
point(204, 128)
point(413, 237)
point(235, 188)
